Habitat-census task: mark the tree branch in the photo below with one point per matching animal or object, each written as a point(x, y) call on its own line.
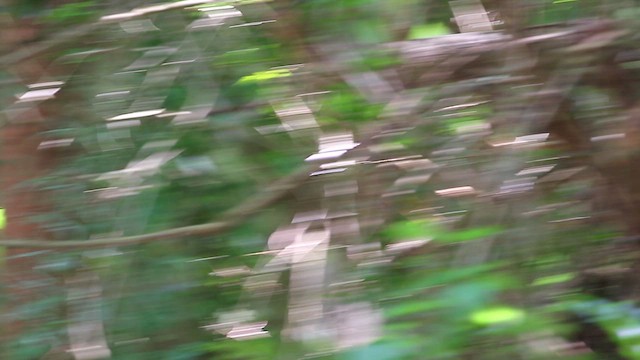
point(254, 204)
point(232, 218)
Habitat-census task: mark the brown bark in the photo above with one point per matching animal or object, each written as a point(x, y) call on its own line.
point(20, 162)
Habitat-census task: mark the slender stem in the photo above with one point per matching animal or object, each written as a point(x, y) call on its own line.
point(232, 218)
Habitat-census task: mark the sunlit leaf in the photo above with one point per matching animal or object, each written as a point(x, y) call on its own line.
point(553, 279)
point(3, 219)
point(427, 31)
point(497, 315)
point(265, 75)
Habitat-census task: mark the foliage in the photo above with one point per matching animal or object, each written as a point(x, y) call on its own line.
point(458, 191)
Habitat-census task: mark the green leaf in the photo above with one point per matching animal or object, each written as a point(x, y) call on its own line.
point(413, 307)
point(619, 319)
point(411, 229)
point(428, 30)
point(370, 31)
point(175, 98)
point(426, 279)
point(265, 75)
point(375, 61)
point(72, 13)
point(476, 293)
point(469, 234)
point(3, 218)
point(553, 279)
point(497, 315)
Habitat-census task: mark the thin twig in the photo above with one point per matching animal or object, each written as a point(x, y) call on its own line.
point(231, 218)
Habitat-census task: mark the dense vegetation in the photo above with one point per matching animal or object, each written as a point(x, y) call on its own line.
point(353, 179)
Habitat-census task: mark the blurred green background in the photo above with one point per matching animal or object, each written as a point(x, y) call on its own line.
point(320, 179)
